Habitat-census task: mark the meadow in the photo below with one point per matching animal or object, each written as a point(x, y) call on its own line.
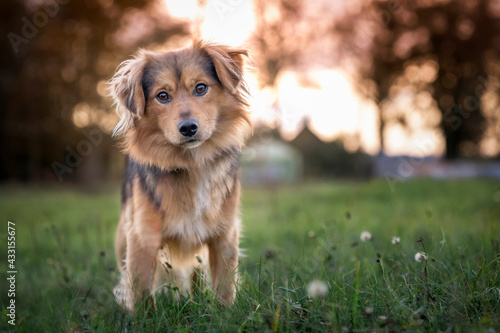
point(305, 267)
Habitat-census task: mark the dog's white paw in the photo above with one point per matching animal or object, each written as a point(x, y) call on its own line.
point(123, 296)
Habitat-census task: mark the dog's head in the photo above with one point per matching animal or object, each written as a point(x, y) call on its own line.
point(184, 98)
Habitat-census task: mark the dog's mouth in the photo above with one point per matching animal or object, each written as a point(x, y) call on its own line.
point(191, 143)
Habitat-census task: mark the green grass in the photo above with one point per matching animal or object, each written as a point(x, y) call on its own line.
point(292, 236)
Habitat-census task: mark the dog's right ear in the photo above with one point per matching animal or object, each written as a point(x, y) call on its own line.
point(127, 93)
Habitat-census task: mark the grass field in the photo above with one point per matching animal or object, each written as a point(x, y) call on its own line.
point(292, 236)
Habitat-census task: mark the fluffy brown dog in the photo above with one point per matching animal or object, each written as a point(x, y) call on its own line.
point(183, 121)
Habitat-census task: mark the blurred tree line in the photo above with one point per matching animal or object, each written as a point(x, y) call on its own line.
point(58, 55)
point(56, 59)
point(444, 54)
point(447, 50)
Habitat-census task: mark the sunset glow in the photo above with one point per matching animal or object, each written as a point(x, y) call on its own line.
point(324, 97)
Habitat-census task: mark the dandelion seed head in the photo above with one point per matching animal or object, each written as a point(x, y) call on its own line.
point(365, 236)
point(311, 234)
point(396, 240)
point(420, 256)
point(368, 311)
point(317, 288)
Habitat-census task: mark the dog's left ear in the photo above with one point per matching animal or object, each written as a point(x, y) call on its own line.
point(127, 92)
point(229, 64)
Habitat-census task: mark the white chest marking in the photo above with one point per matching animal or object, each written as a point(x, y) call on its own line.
point(192, 227)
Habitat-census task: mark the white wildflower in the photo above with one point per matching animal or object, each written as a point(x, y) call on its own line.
point(368, 311)
point(396, 240)
point(317, 288)
point(365, 236)
point(420, 256)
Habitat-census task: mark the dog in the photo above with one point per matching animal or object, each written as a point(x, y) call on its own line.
point(183, 122)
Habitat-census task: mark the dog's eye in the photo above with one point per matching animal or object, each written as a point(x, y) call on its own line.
point(200, 89)
point(163, 97)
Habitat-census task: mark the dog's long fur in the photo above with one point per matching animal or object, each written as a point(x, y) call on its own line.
point(180, 195)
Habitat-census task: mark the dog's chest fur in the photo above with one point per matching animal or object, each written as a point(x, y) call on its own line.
point(195, 208)
point(192, 202)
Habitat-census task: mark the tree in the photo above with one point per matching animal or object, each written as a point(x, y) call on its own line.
point(290, 35)
point(58, 56)
point(461, 39)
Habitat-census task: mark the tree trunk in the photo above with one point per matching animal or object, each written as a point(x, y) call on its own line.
point(381, 128)
point(452, 144)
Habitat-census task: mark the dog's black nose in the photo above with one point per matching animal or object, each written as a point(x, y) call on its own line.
point(188, 127)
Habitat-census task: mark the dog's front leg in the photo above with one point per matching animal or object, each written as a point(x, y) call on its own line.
point(143, 243)
point(223, 258)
